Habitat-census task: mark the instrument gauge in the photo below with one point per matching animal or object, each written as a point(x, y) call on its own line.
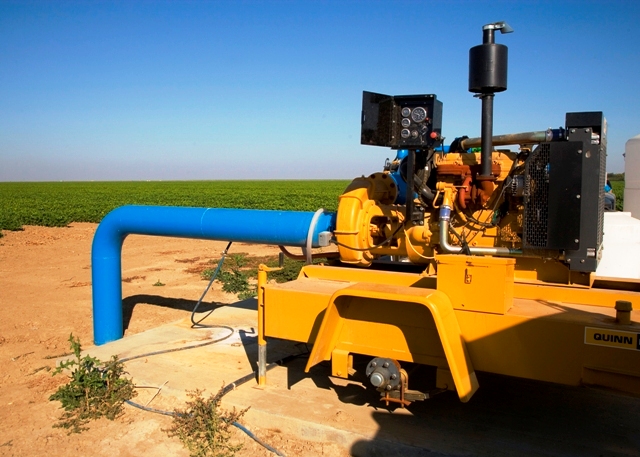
point(419, 114)
point(406, 122)
point(406, 111)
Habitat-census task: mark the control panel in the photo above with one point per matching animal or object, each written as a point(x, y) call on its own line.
point(401, 121)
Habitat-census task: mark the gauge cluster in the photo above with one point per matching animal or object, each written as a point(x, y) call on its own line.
point(401, 121)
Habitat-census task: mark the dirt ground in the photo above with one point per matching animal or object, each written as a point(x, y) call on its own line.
point(45, 294)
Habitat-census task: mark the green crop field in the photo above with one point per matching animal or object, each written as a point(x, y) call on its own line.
point(617, 188)
point(57, 204)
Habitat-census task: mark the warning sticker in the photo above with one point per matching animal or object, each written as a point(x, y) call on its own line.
point(612, 338)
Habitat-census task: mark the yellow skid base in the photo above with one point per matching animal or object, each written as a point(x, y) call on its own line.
point(526, 331)
point(359, 317)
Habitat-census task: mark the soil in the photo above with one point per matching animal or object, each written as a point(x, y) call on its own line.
point(45, 295)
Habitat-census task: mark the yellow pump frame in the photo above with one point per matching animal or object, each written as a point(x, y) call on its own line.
point(472, 316)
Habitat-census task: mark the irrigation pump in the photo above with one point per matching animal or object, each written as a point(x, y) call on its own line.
point(463, 257)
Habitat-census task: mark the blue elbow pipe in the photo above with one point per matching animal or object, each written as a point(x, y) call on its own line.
point(287, 228)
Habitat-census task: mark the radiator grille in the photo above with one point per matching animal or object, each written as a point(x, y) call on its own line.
point(536, 217)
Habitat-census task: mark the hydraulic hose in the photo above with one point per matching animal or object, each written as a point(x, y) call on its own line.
point(228, 388)
point(213, 277)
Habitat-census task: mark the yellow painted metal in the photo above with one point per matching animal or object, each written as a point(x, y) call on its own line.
point(383, 314)
point(503, 158)
point(344, 329)
point(444, 380)
point(262, 280)
point(577, 295)
point(545, 341)
point(366, 218)
point(506, 234)
point(368, 224)
point(357, 213)
point(476, 283)
point(341, 363)
point(352, 275)
point(262, 342)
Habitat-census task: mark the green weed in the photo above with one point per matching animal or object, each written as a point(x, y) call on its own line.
point(204, 427)
point(95, 389)
point(234, 281)
point(290, 270)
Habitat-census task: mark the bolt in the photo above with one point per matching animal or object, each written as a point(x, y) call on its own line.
point(582, 261)
point(579, 151)
point(388, 387)
point(374, 364)
point(573, 130)
point(623, 312)
point(385, 365)
point(577, 240)
point(394, 376)
point(578, 196)
point(586, 130)
point(376, 379)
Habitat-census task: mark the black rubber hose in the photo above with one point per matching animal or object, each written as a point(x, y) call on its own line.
point(213, 277)
point(228, 388)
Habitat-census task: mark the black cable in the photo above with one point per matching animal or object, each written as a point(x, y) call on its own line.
point(184, 348)
point(463, 241)
point(236, 424)
point(472, 219)
point(151, 410)
point(466, 250)
point(371, 247)
point(225, 390)
point(228, 388)
point(257, 440)
point(195, 324)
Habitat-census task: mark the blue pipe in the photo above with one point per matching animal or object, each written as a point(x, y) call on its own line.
point(287, 228)
point(401, 184)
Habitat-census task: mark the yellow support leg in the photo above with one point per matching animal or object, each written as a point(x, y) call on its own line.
point(339, 332)
point(262, 343)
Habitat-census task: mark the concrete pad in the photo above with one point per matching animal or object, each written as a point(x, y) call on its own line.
point(507, 416)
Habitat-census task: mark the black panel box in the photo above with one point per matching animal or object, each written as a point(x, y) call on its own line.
point(401, 121)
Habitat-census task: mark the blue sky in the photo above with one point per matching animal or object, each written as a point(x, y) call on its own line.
point(273, 89)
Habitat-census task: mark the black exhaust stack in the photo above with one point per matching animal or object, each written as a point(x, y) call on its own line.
point(488, 75)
